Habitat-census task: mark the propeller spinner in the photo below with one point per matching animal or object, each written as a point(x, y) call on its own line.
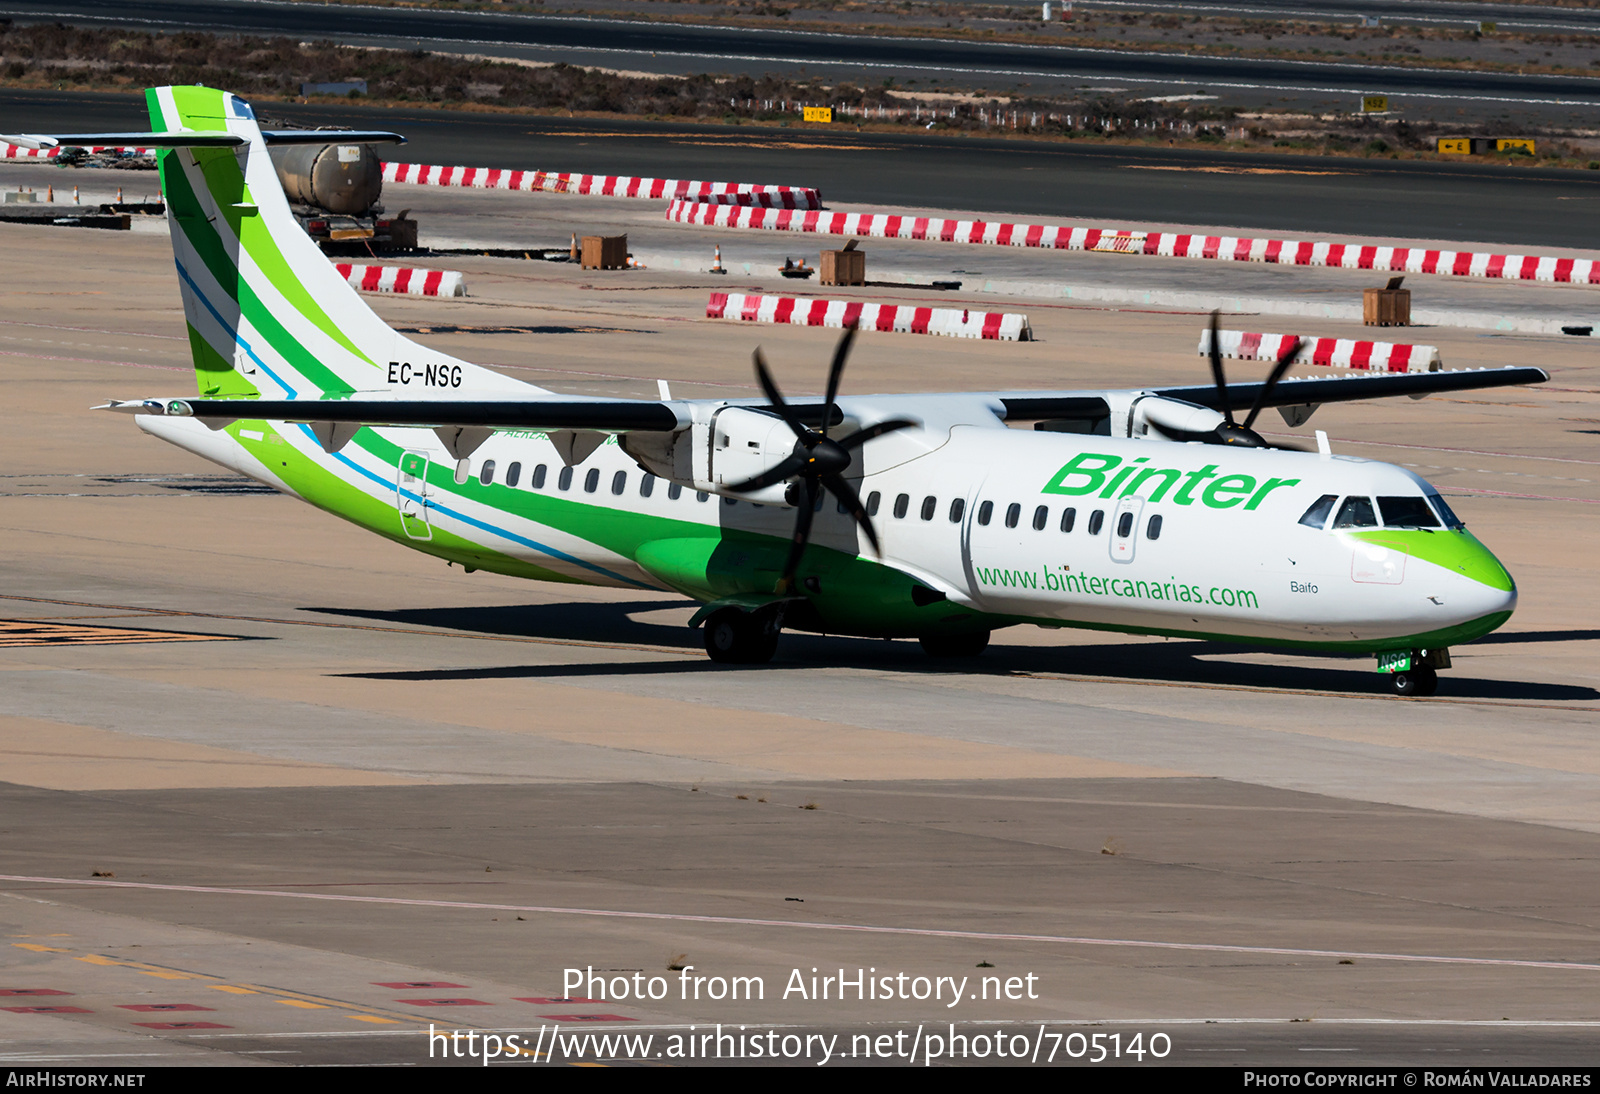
point(817, 462)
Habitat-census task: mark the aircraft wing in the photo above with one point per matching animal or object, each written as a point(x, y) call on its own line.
point(601, 415)
point(1023, 405)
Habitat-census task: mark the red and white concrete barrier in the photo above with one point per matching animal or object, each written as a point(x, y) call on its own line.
point(732, 194)
point(17, 152)
point(1349, 256)
point(1337, 352)
point(403, 279)
point(905, 318)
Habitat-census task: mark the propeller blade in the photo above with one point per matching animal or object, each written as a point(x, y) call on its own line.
point(802, 535)
point(1285, 359)
point(785, 468)
point(775, 397)
point(862, 436)
point(1216, 370)
point(852, 503)
point(841, 353)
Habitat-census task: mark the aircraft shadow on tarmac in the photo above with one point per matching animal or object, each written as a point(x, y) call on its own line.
point(1164, 661)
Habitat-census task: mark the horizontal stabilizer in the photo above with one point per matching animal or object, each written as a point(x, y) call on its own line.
point(330, 136)
point(183, 138)
point(199, 138)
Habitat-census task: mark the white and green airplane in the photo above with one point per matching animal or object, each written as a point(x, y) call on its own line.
point(926, 516)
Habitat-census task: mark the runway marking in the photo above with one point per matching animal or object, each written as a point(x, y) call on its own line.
point(1234, 170)
point(32, 632)
point(857, 928)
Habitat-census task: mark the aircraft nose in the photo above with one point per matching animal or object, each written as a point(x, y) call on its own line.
point(1483, 584)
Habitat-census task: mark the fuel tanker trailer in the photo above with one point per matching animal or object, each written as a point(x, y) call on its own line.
point(334, 192)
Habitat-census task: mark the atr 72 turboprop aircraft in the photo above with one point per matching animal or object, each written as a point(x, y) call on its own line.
point(1148, 511)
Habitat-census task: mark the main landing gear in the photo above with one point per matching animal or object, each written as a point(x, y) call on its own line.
point(735, 637)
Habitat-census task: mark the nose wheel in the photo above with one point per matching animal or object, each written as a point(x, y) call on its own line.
point(1418, 680)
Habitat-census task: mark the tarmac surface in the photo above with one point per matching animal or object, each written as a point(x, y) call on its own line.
point(683, 49)
point(1482, 202)
point(277, 792)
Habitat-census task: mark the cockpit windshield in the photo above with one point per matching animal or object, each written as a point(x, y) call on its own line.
point(1356, 513)
point(1407, 512)
point(1445, 512)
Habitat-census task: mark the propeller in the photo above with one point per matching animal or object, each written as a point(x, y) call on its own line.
point(1229, 431)
point(817, 461)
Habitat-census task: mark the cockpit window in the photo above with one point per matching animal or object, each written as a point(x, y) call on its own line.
point(1317, 516)
point(1446, 514)
point(1356, 513)
point(1406, 513)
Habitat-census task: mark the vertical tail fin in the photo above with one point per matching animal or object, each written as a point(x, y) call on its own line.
point(267, 313)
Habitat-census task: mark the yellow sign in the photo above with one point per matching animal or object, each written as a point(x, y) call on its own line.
point(819, 113)
point(1506, 144)
point(1457, 146)
point(1374, 104)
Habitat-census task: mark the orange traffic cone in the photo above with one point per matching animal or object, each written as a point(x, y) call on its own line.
point(717, 267)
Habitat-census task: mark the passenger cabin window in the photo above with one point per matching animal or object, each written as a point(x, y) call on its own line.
point(730, 502)
point(463, 471)
point(1041, 517)
point(958, 509)
point(1125, 525)
point(647, 486)
point(674, 492)
point(985, 512)
point(1317, 516)
point(872, 503)
point(902, 503)
point(930, 506)
point(1013, 514)
point(591, 481)
point(701, 495)
point(1406, 513)
point(486, 472)
point(513, 474)
point(1096, 519)
point(564, 480)
point(1069, 517)
point(619, 482)
point(1153, 529)
point(1356, 513)
point(539, 474)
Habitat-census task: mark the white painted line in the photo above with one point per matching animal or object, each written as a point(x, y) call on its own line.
point(860, 928)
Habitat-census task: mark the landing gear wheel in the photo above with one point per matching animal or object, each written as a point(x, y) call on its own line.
point(1418, 680)
point(739, 638)
point(955, 645)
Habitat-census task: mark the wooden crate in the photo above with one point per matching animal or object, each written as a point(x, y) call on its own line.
point(605, 252)
point(847, 267)
point(1386, 307)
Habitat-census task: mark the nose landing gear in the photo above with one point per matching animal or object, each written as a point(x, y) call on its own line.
point(1414, 673)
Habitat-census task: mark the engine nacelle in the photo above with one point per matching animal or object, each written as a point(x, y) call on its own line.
point(723, 445)
point(1173, 415)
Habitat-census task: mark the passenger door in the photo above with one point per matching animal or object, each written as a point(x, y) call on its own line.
point(411, 495)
